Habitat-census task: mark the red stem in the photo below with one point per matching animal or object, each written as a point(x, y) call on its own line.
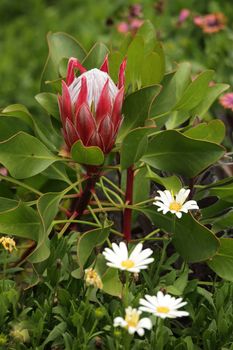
point(85, 196)
point(129, 200)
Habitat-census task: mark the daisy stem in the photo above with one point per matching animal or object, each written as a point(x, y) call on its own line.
point(126, 289)
point(156, 276)
point(4, 269)
point(127, 340)
point(127, 218)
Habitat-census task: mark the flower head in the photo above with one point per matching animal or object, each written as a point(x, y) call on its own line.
point(163, 305)
point(211, 23)
point(132, 322)
point(227, 100)
point(183, 15)
point(8, 243)
point(90, 106)
point(92, 278)
point(118, 257)
point(175, 205)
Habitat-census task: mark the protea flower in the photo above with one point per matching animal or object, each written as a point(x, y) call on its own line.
point(90, 106)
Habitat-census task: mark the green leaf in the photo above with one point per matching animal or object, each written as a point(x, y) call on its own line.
point(111, 282)
point(222, 262)
point(214, 131)
point(174, 85)
point(152, 69)
point(211, 94)
point(141, 189)
point(18, 111)
point(95, 56)
point(133, 146)
point(49, 102)
point(170, 150)
point(178, 286)
point(136, 108)
point(224, 222)
point(23, 221)
point(41, 125)
point(48, 205)
point(135, 56)
point(147, 32)
point(222, 189)
point(195, 92)
point(7, 204)
point(87, 155)
point(193, 241)
point(115, 59)
point(10, 126)
point(61, 45)
point(24, 156)
point(55, 333)
point(171, 183)
point(89, 240)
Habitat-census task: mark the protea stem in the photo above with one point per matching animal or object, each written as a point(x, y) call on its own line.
point(85, 196)
point(128, 200)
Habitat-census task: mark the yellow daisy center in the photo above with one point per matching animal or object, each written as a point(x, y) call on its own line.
point(163, 309)
point(128, 264)
point(132, 319)
point(175, 206)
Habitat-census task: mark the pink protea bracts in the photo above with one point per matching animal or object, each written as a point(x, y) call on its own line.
point(90, 106)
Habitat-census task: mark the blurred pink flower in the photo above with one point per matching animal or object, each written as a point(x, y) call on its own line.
point(135, 24)
point(3, 171)
point(211, 23)
point(227, 100)
point(136, 10)
point(123, 27)
point(183, 15)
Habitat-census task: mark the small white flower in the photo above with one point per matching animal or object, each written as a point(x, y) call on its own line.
point(176, 205)
point(163, 305)
point(119, 257)
point(132, 322)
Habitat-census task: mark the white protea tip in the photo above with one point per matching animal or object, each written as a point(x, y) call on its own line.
point(118, 257)
point(92, 278)
point(95, 80)
point(132, 322)
point(163, 305)
point(167, 202)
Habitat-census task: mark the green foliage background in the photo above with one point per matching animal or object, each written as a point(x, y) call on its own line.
point(24, 25)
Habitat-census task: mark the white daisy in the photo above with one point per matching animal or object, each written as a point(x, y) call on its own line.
point(132, 322)
point(163, 305)
point(176, 205)
point(119, 257)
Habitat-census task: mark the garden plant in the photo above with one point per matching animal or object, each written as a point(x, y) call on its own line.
point(116, 203)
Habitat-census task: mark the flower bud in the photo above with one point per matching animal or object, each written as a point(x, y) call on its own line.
point(92, 278)
point(90, 106)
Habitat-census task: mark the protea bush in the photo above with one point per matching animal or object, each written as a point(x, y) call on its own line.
point(116, 205)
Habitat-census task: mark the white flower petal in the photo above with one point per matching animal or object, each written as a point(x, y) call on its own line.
point(142, 255)
point(123, 251)
point(182, 195)
point(178, 214)
point(136, 252)
point(140, 331)
point(119, 321)
point(145, 323)
point(131, 330)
